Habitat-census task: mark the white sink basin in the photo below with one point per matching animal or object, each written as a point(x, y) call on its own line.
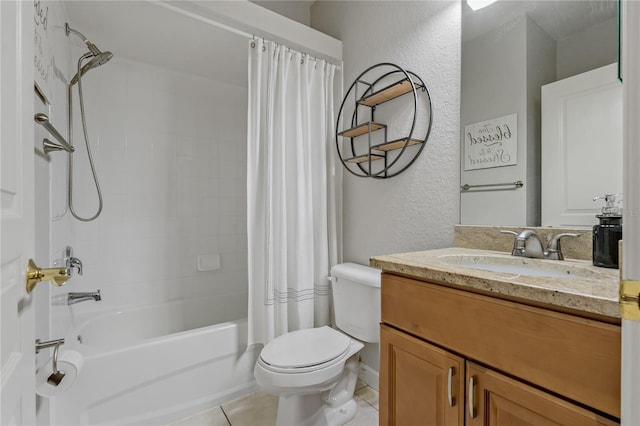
point(521, 266)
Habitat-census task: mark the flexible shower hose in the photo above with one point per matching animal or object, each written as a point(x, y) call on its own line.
point(86, 140)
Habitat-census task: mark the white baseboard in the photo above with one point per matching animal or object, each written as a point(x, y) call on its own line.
point(369, 375)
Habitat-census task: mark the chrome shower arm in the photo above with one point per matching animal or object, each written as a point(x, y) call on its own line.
point(68, 30)
point(100, 57)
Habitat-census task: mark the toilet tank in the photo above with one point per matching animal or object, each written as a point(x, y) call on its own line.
point(356, 300)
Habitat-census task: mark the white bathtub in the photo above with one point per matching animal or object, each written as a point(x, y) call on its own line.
point(155, 364)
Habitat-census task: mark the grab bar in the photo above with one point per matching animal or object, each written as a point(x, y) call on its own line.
point(516, 185)
point(43, 120)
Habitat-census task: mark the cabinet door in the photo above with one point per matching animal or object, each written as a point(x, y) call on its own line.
point(420, 384)
point(496, 400)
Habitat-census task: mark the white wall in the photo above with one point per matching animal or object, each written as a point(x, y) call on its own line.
point(171, 159)
point(417, 209)
point(586, 50)
point(299, 11)
point(494, 78)
point(541, 61)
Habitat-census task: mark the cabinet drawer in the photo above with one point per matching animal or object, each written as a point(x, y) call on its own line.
point(575, 357)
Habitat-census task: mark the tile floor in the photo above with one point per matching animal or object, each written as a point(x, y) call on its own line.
point(259, 409)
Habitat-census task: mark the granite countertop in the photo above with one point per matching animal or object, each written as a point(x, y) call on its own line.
point(578, 286)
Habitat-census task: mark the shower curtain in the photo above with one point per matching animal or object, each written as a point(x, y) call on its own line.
point(292, 190)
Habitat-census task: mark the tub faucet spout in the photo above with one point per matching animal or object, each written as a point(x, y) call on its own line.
point(73, 298)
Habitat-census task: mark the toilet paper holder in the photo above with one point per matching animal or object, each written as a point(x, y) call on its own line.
point(56, 377)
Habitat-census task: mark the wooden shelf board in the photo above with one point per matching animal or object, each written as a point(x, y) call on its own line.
point(363, 158)
point(397, 144)
point(362, 129)
point(388, 93)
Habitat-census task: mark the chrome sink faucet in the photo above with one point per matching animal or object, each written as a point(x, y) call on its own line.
point(528, 244)
point(78, 297)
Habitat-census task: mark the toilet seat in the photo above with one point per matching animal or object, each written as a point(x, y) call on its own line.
point(305, 350)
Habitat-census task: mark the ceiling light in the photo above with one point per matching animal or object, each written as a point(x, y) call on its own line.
point(479, 4)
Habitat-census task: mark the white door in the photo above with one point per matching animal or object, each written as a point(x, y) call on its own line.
point(17, 340)
point(581, 146)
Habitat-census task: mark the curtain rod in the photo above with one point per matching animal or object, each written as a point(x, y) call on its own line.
point(205, 20)
point(222, 26)
point(304, 54)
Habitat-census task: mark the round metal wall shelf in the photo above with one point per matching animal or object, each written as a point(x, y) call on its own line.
point(365, 149)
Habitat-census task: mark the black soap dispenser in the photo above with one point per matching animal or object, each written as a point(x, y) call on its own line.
point(607, 233)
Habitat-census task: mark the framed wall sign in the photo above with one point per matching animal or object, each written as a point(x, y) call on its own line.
point(491, 143)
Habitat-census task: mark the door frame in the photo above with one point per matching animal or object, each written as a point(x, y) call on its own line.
point(630, 367)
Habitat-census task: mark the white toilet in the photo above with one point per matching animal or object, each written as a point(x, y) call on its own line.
point(314, 371)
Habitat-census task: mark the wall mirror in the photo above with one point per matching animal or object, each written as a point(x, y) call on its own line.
point(540, 116)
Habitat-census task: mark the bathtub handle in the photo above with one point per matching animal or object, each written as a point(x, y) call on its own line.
point(72, 262)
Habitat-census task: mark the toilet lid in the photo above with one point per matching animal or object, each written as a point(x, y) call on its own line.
point(305, 348)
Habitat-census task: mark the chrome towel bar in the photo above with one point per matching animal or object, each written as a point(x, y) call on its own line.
point(516, 185)
point(43, 120)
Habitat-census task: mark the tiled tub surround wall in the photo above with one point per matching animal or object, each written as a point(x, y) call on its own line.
point(490, 238)
point(171, 157)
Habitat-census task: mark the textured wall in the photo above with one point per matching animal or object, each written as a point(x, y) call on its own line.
point(417, 209)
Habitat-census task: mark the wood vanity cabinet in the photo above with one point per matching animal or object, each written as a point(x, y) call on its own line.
point(452, 357)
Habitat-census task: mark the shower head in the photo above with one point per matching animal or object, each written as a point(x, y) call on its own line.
point(97, 56)
point(97, 60)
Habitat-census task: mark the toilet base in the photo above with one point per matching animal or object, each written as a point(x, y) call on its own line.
point(334, 407)
point(310, 410)
point(338, 416)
